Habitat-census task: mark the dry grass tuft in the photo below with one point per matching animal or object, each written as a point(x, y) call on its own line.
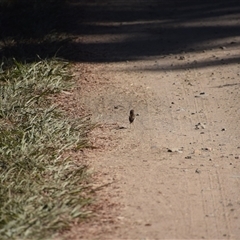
point(40, 191)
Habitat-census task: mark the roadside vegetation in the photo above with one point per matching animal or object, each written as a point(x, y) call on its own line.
point(41, 190)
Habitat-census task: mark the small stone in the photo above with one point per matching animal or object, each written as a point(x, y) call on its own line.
point(148, 224)
point(188, 157)
point(206, 149)
point(223, 129)
point(202, 93)
point(199, 126)
point(179, 150)
point(181, 58)
point(197, 171)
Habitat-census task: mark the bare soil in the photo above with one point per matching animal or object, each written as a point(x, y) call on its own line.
point(175, 172)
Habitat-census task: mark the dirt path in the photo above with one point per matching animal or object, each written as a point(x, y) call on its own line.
point(176, 171)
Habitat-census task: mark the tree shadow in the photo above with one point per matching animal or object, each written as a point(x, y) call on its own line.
point(112, 31)
point(31, 28)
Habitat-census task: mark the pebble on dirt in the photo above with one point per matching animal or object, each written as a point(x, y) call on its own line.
point(197, 171)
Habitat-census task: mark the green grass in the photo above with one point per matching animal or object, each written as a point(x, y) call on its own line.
point(41, 191)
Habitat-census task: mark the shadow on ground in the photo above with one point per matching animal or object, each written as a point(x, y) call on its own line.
point(112, 31)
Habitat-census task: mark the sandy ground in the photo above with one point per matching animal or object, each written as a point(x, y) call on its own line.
point(175, 172)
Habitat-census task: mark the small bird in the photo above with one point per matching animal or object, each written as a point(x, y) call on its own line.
point(132, 116)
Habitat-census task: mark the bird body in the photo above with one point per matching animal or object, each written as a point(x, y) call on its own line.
point(131, 116)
